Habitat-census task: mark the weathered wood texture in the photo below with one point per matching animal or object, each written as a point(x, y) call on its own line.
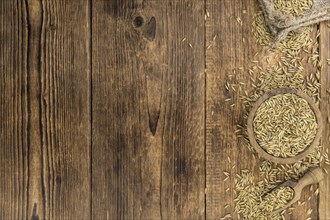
point(148, 110)
point(106, 111)
point(44, 111)
point(233, 47)
point(233, 50)
point(324, 202)
point(13, 112)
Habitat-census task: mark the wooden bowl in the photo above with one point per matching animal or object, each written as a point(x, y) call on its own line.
point(302, 154)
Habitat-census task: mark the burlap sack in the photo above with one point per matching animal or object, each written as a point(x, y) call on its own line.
point(280, 24)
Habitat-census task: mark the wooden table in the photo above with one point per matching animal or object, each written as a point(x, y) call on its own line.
point(116, 109)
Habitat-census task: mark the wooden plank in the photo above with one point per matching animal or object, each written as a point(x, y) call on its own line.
point(231, 46)
point(13, 112)
point(65, 108)
point(324, 202)
point(148, 109)
point(228, 52)
point(45, 113)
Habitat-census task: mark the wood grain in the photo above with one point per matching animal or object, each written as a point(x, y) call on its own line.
point(13, 111)
point(228, 52)
point(116, 109)
point(45, 113)
point(148, 110)
point(324, 202)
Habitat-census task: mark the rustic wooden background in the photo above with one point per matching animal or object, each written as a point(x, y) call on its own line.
point(114, 109)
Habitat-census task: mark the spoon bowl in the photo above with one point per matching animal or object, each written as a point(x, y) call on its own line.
point(315, 175)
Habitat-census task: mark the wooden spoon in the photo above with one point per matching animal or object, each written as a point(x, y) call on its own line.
point(315, 175)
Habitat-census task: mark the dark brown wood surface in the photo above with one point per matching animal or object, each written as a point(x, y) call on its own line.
point(148, 110)
point(115, 109)
point(44, 112)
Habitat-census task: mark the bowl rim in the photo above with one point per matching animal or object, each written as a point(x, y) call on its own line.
point(308, 149)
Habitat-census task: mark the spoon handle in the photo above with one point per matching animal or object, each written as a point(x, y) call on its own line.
point(313, 176)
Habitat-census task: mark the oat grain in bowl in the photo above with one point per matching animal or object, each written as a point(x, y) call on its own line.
point(284, 125)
